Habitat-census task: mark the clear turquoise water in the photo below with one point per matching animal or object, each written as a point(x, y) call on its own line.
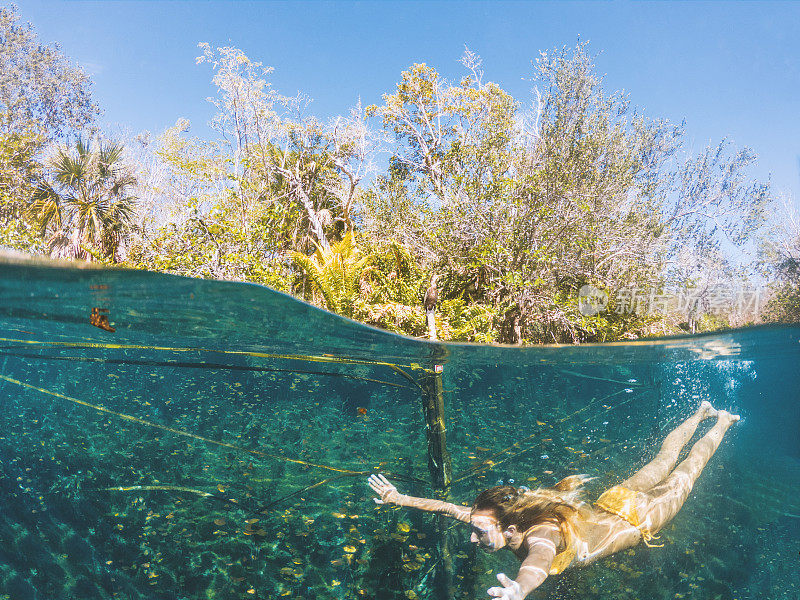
point(279, 394)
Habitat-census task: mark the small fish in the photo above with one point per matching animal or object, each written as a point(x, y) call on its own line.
point(361, 410)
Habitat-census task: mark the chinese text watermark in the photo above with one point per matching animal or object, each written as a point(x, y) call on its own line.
point(716, 299)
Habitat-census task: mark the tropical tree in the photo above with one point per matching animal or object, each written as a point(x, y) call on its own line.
point(43, 98)
point(517, 208)
point(779, 261)
point(278, 155)
point(520, 210)
point(85, 203)
point(39, 86)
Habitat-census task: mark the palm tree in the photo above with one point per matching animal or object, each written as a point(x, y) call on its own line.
point(85, 204)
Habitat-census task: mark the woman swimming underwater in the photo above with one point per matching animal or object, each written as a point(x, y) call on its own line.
point(551, 529)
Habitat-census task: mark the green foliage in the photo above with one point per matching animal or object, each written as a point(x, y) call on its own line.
point(779, 262)
point(43, 97)
point(391, 289)
point(334, 273)
point(514, 208)
point(521, 210)
point(85, 203)
point(460, 321)
point(784, 304)
point(20, 171)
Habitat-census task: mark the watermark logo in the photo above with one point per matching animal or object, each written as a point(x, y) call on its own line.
point(714, 299)
point(591, 300)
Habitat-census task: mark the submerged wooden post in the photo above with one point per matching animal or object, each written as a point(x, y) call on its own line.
point(440, 468)
point(439, 463)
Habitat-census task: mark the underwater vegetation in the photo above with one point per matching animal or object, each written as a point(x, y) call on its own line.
point(217, 446)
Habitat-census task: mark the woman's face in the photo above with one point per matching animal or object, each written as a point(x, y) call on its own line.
point(486, 530)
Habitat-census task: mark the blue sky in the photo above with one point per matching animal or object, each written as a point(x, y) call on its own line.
point(730, 69)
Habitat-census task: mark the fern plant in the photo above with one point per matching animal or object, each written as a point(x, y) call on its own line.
point(334, 275)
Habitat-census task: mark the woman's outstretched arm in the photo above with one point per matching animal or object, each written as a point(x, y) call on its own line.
point(388, 494)
point(542, 543)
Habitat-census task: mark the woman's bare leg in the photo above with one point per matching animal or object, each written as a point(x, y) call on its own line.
point(669, 496)
point(657, 469)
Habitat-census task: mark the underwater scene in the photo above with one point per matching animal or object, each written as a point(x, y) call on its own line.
point(172, 438)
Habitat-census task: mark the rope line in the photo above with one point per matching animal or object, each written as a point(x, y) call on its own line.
point(486, 467)
point(193, 365)
point(181, 432)
point(304, 357)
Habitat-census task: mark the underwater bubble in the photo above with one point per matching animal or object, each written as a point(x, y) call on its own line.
point(605, 422)
point(545, 457)
point(631, 380)
point(628, 390)
point(510, 482)
point(499, 482)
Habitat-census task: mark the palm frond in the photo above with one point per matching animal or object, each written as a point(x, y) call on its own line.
point(46, 207)
point(92, 184)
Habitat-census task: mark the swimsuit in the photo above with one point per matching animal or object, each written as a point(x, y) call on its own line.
point(563, 560)
point(620, 501)
point(623, 502)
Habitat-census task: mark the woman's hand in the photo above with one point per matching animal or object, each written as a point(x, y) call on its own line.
point(511, 590)
point(385, 489)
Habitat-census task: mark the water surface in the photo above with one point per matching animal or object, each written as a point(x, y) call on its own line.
point(216, 445)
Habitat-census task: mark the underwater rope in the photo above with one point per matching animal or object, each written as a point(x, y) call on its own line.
point(306, 357)
point(406, 375)
point(584, 376)
point(209, 366)
point(180, 431)
point(486, 467)
point(171, 488)
point(264, 508)
point(160, 488)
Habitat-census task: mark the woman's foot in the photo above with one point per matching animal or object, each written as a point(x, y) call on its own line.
point(724, 414)
point(706, 410)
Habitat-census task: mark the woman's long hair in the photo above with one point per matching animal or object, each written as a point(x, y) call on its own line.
point(524, 508)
